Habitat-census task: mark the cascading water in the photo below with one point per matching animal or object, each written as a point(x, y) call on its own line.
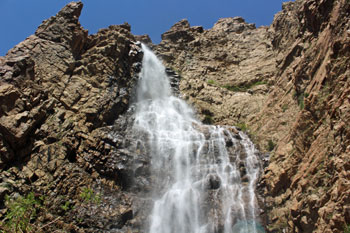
point(204, 176)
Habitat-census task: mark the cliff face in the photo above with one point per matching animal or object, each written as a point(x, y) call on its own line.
point(288, 86)
point(307, 181)
point(60, 93)
point(226, 71)
point(64, 97)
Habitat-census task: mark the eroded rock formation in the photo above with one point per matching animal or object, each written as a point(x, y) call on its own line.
point(307, 114)
point(62, 93)
point(287, 85)
point(226, 71)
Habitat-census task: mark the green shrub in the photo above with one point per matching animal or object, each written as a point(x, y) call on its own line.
point(242, 126)
point(347, 228)
point(66, 206)
point(88, 195)
point(270, 145)
point(21, 211)
point(208, 120)
point(211, 82)
point(284, 107)
point(301, 101)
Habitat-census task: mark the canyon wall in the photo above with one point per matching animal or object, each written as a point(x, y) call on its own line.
point(61, 90)
point(307, 181)
point(287, 85)
point(62, 93)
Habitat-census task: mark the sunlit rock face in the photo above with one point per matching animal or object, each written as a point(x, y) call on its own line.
point(68, 110)
point(298, 109)
point(226, 71)
point(60, 92)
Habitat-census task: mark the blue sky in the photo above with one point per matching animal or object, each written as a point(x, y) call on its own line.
point(20, 18)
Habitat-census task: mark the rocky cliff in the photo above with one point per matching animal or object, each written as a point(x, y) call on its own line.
point(226, 71)
point(307, 181)
point(287, 85)
point(64, 94)
point(60, 92)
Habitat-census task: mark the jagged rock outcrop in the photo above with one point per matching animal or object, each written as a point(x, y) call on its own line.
point(64, 97)
point(60, 92)
point(144, 39)
point(301, 109)
point(226, 71)
point(307, 181)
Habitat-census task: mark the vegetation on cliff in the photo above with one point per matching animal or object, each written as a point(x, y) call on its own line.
point(300, 113)
point(62, 93)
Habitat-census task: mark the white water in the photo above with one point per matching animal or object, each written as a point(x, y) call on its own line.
point(198, 183)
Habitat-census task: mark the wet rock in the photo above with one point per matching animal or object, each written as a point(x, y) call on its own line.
point(63, 94)
point(174, 79)
point(213, 181)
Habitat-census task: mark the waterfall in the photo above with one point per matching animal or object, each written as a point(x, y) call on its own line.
point(203, 176)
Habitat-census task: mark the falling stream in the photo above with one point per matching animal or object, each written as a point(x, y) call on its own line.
point(204, 176)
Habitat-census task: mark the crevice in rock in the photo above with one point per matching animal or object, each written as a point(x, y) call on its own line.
point(71, 155)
